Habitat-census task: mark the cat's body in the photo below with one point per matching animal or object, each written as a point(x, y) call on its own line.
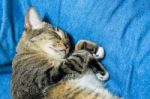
point(36, 80)
point(85, 87)
point(43, 67)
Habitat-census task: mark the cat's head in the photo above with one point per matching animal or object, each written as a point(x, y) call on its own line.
point(41, 36)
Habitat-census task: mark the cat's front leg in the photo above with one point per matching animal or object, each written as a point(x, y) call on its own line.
point(93, 48)
point(98, 53)
point(77, 62)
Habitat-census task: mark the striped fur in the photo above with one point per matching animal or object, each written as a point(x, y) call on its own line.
point(44, 68)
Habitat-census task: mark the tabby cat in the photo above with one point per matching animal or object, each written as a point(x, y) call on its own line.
point(45, 68)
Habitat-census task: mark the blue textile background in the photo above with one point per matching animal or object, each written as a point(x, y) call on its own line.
point(122, 27)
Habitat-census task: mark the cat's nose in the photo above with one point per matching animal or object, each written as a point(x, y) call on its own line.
point(67, 44)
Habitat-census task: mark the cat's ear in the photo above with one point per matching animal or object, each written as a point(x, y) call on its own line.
point(32, 19)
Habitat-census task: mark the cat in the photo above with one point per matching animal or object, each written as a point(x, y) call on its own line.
point(45, 68)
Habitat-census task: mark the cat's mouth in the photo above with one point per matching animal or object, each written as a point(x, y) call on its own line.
point(58, 51)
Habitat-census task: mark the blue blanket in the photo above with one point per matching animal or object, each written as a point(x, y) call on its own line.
point(122, 27)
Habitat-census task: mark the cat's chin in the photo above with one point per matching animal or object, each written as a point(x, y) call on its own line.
point(58, 55)
point(61, 55)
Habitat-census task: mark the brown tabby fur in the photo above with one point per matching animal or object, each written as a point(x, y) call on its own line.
point(43, 67)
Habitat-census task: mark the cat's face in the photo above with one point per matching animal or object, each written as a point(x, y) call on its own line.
point(53, 41)
point(50, 39)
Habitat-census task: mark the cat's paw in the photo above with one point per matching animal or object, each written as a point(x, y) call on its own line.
point(102, 77)
point(83, 55)
point(77, 62)
point(99, 54)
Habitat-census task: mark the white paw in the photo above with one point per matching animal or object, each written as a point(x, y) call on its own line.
point(99, 54)
point(102, 77)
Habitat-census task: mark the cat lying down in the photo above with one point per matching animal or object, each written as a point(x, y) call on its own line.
point(45, 68)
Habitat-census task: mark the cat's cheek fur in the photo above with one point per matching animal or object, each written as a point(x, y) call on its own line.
point(52, 53)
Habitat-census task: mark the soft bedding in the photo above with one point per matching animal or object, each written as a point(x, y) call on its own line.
point(122, 27)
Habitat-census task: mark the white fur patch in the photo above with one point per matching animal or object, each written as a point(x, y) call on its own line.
point(101, 77)
point(99, 54)
point(89, 80)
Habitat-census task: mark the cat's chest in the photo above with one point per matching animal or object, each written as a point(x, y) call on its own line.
point(89, 81)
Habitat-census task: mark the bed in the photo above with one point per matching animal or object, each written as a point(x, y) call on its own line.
point(122, 27)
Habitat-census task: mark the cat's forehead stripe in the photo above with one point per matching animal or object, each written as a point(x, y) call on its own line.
point(53, 33)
